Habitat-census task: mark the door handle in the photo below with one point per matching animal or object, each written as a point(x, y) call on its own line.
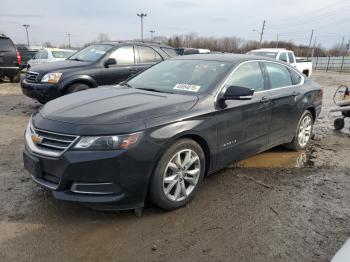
point(295, 93)
point(265, 100)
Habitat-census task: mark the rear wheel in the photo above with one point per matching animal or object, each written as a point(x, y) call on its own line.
point(15, 79)
point(178, 175)
point(303, 132)
point(339, 123)
point(76, 88)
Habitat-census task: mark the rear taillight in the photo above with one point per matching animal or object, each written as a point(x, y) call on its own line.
point(19, 60)
point(322, 91)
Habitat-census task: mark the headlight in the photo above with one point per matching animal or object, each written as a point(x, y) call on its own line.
point(51, 78)
point(107, 142)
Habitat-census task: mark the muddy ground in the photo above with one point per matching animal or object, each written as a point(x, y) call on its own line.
point(277, 206)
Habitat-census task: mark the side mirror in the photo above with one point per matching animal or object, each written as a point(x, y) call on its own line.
point(110, 61)
point(238, 93)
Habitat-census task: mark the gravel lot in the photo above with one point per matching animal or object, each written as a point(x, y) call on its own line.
point(277, 206)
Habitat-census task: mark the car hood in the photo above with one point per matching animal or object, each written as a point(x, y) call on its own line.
point(58, 66)
point(115, 105)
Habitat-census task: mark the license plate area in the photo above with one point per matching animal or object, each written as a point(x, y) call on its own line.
point(32, 165)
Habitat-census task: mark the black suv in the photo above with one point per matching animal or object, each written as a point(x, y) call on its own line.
point(10, 60)
point(98, 64)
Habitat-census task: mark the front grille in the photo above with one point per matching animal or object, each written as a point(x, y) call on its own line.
point(48, 143)
point(32, 77)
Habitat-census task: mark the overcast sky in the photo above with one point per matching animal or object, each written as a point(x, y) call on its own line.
point(85, 19)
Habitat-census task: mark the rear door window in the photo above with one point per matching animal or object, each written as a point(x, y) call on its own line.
point(283, 57)
point(148, 55)
point(124, 55)
point(279, 75)
point(6, 44)
point(291, 57)
point(247, 75)
point(44, 54)
point(38, 55)
point(296, 78)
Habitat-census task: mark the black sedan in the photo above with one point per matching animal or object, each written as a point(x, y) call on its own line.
point(160, 133)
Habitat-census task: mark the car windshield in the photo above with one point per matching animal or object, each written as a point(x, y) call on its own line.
point(181, 76)
point(91, 53)
point(62, 53)
point(263, 53)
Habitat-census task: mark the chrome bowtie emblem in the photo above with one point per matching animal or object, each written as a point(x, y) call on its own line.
point(37, 139)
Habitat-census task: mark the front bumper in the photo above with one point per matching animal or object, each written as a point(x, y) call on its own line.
point(108, 180)
point(43, 92)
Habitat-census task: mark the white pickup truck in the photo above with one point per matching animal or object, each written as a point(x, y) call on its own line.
point(287, 56)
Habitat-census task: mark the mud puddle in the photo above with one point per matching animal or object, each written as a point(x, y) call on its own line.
point(279, 157)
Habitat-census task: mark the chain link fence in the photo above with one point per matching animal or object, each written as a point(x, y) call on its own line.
point(332, 63)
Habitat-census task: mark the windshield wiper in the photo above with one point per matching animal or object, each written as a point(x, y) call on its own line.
point(155, 90)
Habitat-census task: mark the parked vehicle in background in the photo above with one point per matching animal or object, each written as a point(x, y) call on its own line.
point(159, 133)
point(191, 51)
point(99, 64)
point(10, 60)
point(287, 56)
point(47, 55)
point(26, 54)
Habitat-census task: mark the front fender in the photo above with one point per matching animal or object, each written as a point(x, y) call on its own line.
point(201, 130)
point(85, 79)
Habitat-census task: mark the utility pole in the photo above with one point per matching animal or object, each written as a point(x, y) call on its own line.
point(347, 48)
point(69, 34)
point(313, 49)
point(312, 35)
point(141, 15)
point(152, 32)
point(262, 32)
point(341, 45)
point(26, 27)
point(277, 42)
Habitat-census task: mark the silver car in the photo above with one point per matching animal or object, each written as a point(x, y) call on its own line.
point(47, 55)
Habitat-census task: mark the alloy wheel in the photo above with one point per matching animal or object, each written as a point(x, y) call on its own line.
point(304, 132)
point(181, 175)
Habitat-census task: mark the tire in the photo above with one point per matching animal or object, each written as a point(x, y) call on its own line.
point(76, 88)
point(339, 124)
point(15, 79)
point(298, 143)
point(178, 179)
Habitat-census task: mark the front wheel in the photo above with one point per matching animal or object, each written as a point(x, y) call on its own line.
point(178, 175)
point(15, 79)
point(76, 88)
point(303, 132)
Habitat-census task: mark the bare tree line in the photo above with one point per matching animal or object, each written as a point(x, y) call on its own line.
point(234, 44)
point(238, 45)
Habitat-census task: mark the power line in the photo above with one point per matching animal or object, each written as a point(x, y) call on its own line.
point(310, 14)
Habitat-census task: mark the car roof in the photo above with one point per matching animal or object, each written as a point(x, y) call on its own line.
point(57, 49)
point(271, 49)
point(226, 57)
point(131, 42)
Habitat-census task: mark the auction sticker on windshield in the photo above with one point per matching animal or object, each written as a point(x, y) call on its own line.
point(187, 87)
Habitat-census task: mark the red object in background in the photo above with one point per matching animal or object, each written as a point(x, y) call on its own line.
point(19, 59)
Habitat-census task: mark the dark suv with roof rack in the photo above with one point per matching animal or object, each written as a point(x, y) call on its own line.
point(98, 64)
point(10, 60)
